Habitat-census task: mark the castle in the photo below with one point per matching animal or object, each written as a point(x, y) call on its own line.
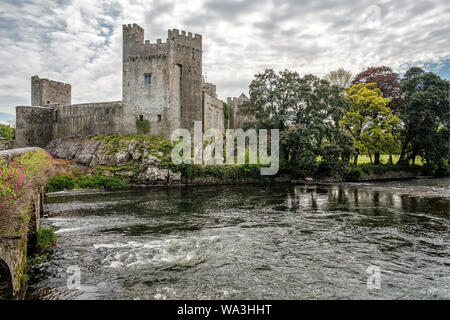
point(162, 87)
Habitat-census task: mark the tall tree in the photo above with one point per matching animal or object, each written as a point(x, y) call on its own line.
point(426, 116)
point(384, 77)
point(340, 77)
point(370, 121)
point(307, 110)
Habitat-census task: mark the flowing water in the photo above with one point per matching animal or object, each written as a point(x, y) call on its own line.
point(251, 242)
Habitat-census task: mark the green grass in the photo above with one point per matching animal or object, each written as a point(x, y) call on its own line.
point(46, 237)
point(384, 159)
point(64, 182)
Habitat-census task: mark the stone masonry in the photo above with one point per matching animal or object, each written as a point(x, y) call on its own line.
point(162, 83)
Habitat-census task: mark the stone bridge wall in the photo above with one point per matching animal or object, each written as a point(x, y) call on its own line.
point(14, 245)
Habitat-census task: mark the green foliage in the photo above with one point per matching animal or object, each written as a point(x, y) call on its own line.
point(142, 126)
point(64, 182)
point(99, 182)
point(232, 172)
point(7, 131)
point(28, 170)
point(226, 114)
point(426, 117)
point(60, 183)
point(369, 121)
point(46, 237)
point(307, 110)
point(339, 77)
point(443, 168)
point(154, 145)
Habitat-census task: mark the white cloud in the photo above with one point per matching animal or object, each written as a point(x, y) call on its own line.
point(79, 41)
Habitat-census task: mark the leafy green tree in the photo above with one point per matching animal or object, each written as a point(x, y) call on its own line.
point(7, 131)
point(370, 122)
point(339, 77)
point(426, 116)
point(307, 110)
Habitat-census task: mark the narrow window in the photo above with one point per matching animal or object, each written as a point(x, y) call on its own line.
point(148, 78)
point(193, 54)
point(141, 117)
point(159, 118)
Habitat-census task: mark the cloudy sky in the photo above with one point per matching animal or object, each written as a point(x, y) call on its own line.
point(79, 41)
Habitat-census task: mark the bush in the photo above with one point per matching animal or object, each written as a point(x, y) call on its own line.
point(443, 169)
point(60, 183)
point(64, 182)
point(352, 172)
point(100, 181)
point(46, 237)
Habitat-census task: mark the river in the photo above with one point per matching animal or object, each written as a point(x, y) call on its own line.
point(251, 242)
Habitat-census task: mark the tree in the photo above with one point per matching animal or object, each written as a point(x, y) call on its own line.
point(387, 81)
point(307, 110)
point(339, 77)
point(426, 116)
point(7, 131)
point(370, 121)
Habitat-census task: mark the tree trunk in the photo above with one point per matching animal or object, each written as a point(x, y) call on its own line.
point(370, 157)
point(377, 158)
point(390, 159)
point(355, 159)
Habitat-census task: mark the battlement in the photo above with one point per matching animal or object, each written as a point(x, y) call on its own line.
point(45, 92)
point(232, 100)
point(132, 26)
point(175, 35)
point(52, 83)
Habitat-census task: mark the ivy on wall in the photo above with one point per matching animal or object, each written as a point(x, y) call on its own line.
point(142, 126)
point(226, 114)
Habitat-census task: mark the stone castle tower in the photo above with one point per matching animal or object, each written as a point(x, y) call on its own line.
point(162, 81)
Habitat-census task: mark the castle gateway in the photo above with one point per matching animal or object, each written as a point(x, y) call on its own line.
point(162, 90)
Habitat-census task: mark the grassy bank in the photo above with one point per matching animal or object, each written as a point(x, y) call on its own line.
point(66, 182)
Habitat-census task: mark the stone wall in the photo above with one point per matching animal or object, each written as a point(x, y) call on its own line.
point(34, 126)
point(82, 120)
point(44, 91)
point(212, 113)
point(16, 244)
point(37, 126)
point(236, 118)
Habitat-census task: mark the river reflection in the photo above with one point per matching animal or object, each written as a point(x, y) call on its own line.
point(251, 242)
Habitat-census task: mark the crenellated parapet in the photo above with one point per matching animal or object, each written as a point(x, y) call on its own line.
point(181, 38)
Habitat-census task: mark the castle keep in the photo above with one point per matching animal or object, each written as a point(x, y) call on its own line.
point(162, 85)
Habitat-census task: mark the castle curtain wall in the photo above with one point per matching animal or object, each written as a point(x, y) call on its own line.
point(82, 120)
point(34, 126)
point(212, 113)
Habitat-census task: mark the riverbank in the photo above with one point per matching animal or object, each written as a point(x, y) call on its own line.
point(144, 161)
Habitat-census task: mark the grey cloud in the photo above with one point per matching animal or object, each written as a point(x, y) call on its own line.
point(241, 38)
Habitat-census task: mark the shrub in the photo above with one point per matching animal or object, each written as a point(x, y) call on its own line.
point(353, 172)
point(443, 169)
point(46, 237)
point(99, 181)
point(60, 183)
